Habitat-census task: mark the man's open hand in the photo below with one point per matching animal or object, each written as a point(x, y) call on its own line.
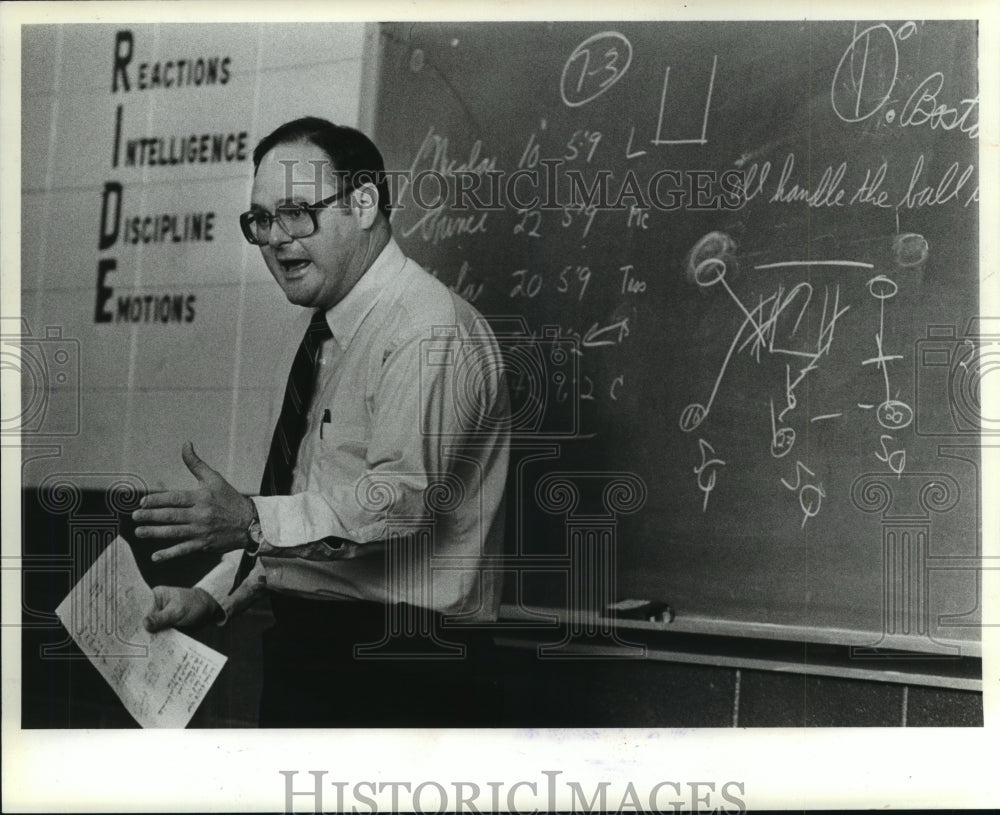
point(213, 517)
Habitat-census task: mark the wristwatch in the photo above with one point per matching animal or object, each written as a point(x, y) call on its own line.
point(255, 535)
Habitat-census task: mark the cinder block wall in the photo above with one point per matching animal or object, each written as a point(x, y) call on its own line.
point(132, 261)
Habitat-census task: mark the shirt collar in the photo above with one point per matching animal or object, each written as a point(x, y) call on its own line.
point(346, 316)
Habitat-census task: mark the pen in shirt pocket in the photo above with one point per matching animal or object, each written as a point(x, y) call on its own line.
point(327, 419)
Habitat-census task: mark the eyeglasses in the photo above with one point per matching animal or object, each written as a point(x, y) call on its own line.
point(295, 220)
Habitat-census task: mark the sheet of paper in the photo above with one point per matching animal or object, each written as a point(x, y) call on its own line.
point(161, 678)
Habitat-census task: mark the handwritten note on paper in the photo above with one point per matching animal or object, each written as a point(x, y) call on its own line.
point(161, 678)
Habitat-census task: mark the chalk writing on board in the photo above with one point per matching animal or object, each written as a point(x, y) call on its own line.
point(770, 327)
point(631, 153)
point(434, 226)
point(531, 154)
point(529, 223)
point(946, 189)
point(571, 213)
point(855, 264)
point(630, 283)
point(827, 192)
point(582, 143)
point(823, 343)
point(595, 65)
point(527, 284)
point(716, 245)
point(426, 181)
point(707, 468)
point(895, 458)
point(763, 335)
point(611, 334)
point(866, 78)
point(810, 494)
point(782, 438)
point(464, 286)
point(892, 414)
point(955, 183)
point(574, 277)
point(603, 335)
point(616, 383)
point(658, 140)
point(774, 383)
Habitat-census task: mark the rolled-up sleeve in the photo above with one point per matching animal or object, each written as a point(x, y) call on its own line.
point(394, 446)
point(219, 581)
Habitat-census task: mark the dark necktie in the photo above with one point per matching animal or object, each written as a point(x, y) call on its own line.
point(290, 429)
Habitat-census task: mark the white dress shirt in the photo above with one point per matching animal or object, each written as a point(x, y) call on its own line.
point(406, 434)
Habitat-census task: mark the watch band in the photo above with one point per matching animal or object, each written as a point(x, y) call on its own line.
point(255, 535)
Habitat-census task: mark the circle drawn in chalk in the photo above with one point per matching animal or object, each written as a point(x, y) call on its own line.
point(910, 249)
point(882, 288)
point(894, 415)
point(711, 246)
point(783, 441)
point(604, 63)
point(854, 100)
point(709, 272)
point(692, 416)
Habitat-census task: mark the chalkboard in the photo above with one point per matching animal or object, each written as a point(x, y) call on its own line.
point(756, 348)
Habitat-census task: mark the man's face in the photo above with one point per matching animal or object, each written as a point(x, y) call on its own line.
point(319, 270)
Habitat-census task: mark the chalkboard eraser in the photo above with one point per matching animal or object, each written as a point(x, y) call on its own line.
point(650, 611)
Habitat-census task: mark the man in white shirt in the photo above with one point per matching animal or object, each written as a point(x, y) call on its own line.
point(382, 509)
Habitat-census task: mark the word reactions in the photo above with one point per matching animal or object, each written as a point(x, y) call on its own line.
point(122, 222)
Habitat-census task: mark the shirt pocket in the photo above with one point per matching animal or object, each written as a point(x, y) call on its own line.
point(338, 454)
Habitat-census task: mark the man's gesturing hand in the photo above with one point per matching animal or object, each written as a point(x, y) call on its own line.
point(211, 518)
point(175, 607)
